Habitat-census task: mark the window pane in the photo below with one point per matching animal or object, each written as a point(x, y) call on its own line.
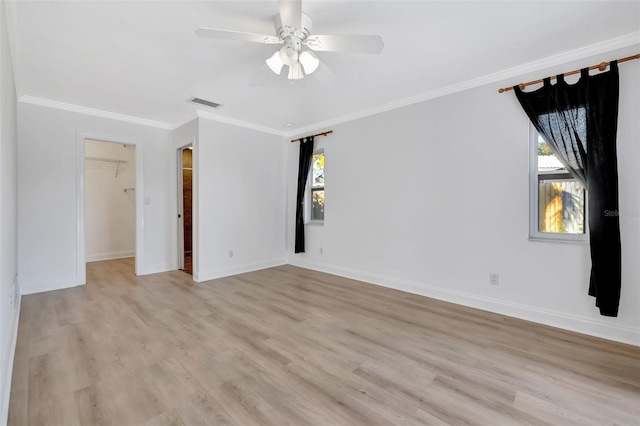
point(561, 206)
point(317, 204)
point(547, 160)
point(317, 177)
point(555, 124)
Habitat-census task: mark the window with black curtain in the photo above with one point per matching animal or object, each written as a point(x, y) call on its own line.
point(304, 164)
point(561, 113)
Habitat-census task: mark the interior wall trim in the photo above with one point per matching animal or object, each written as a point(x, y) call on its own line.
point(585, 52)
point(510, 73)
point(33, 100)
point(8, 357)
point(110, 256)
point(212, 274)
point(156, 268)
point(240, 123)
point(529, 313)
point(48, 285)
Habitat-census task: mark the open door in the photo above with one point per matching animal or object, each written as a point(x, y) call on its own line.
point(185, 210)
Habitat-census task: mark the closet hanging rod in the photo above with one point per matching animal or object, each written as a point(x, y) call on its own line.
point(106, 160)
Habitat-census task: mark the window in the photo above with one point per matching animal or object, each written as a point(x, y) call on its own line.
point(315, 191)
point(557, 199)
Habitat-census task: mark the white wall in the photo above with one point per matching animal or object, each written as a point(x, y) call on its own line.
point(240, 187)
point(110, 212)
point(433, 197)
point(47, 197)
point(9, 296)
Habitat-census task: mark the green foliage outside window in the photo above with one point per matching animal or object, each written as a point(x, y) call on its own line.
point(543, 148)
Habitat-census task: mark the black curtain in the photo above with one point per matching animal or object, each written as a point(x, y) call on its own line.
point(579, 123)
point(304, 163)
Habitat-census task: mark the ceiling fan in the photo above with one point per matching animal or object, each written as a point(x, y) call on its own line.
point(293, 32)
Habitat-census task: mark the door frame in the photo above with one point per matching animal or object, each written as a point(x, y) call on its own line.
point(81, 256)
point(180, 206)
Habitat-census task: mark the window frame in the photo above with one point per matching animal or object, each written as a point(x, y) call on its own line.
point(534, 198)
point(308, 194)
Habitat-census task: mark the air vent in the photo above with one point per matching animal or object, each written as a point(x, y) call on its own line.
point(204, 102)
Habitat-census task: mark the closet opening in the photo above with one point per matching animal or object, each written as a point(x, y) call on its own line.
point(99, 230)
point(110, 205)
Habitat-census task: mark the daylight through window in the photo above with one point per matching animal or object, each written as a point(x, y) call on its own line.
point(316, 187)
point(557, 198)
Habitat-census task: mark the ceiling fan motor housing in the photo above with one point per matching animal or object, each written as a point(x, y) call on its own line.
point(285, 32)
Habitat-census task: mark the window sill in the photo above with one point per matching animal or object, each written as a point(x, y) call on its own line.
point(569, 240)
point(315, 222)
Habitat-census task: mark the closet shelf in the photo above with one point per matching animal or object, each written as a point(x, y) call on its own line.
point(106, 160)
point(109, 161)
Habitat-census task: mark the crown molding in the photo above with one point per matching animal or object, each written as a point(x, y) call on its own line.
point(10, 21)
point(179, 124)
point(518, 71)
point(33, 100)
point(240, 123)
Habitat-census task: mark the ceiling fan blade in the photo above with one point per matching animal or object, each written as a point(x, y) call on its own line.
point(345, 43)
point(325, 76)
point(262, 76)
point(237, 35)
point(291, 13)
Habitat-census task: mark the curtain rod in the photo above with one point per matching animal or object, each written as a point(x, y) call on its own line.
point(317, 134)
point(601, 66)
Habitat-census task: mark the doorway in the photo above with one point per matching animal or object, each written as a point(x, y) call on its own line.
point(134, 194)
point(110, 200)
point(185, 209)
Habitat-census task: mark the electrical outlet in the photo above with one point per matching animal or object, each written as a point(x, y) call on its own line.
point(321, 250)
point(494, 278)
point(230, 253)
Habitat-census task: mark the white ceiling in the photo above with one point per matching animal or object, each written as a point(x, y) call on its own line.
point(143, 59)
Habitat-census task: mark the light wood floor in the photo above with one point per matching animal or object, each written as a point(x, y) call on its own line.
point(291, 346)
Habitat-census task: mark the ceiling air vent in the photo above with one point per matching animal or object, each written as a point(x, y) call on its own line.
point(204, 102)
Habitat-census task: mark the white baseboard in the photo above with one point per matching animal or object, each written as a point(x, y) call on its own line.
point(9, 356)
point(68, 282)
point(110, 256)
point(213, 274)
point(157, 268)
point(48, 285)
point(552, 318)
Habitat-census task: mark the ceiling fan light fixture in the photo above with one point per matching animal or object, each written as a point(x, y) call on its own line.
point(288, 54)
point(275, 63)
point(295, 72)
point(293, 30)
point(309, 62)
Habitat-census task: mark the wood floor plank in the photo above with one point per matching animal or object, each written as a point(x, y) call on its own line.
point(118, 399)
point(50, 401)
point(180, 390)
point(338, 398)
point(170, 418)
point(551, 412)
point(289, 346)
